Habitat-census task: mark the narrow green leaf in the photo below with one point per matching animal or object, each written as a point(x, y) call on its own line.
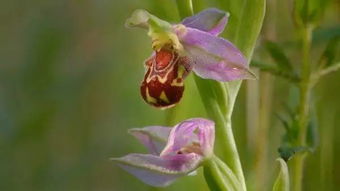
point(330, 52)
point(215, 178)
point(282, 181)
point(278, 55)
point(309, 11)
point(284, 122)
point(291, 76)
point(228, 173)
point(235, 8)
point(249, 27)
point(287, 152)
point(185, 8)
point(316, 10)
point(243, 32)
point(220, 177)
point(301, 12)
point(320, 35)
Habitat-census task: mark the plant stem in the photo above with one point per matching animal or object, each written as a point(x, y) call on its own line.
point(224, 133)
point(303, 112)
point(215, 100)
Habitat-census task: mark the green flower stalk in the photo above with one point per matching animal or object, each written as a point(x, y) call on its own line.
point(219, 98)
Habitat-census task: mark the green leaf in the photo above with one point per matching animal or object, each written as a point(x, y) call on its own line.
point(214, 178)
point(185, 8)
point(243, 31)
point(320, 35)
point(274, 70)
point(282, 181)
point(284, 122)
point(212, 183)
point(309, 11)
point(219, 176)
point(244, 26)
point(301, 11)
point(317, 9)
point(287, 152)
point(276, 52)
point(235, 8)
point(329, 55)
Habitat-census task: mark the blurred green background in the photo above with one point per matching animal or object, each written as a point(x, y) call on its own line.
point(69, 90)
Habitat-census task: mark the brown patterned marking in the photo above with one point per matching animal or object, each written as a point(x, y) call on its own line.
point(163, 85)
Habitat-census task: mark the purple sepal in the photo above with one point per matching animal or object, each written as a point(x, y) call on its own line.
point(209, 20)
point(188, 144)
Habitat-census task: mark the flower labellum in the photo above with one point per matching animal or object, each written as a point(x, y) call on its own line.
point(163, 84)
point(175, 152)
point(193, 45)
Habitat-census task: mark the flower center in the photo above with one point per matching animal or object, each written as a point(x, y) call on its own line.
point(191, 148)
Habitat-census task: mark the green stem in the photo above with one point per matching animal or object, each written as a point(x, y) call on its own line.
point(303, 115)
point(219, 98)
point(224, 133)
point(215, 100)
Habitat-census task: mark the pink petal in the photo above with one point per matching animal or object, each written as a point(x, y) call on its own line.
point(196, 130)
point(210, 20)
point(214, 57)
point(158, 171)
point(153, 137)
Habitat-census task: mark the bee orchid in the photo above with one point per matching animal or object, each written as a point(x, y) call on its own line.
point(192, 45)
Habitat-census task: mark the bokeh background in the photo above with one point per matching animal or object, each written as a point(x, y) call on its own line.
point(69, 90)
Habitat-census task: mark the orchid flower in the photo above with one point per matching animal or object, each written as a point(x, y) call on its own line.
point(174, 152)
point(192, 45)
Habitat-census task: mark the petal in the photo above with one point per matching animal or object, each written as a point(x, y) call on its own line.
point(210, 20)
point(213, 57)
point(206, 135)
point(158, 171)
point(183, 135)
point(153, 137)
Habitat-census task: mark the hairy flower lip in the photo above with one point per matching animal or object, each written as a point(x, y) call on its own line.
point(185, 147)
